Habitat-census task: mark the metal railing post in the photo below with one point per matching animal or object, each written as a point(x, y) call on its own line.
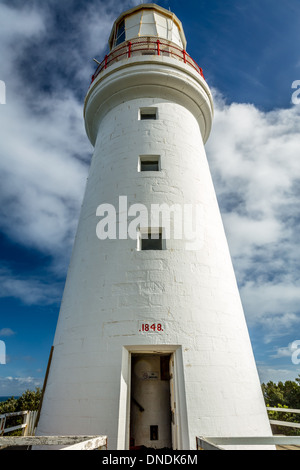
point(25, 422)
point(129, 49)
point(2, 424)
point(158, 47)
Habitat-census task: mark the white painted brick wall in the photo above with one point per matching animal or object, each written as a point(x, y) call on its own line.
point(112, 287)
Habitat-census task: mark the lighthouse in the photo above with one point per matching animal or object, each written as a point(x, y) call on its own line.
point(151, 346)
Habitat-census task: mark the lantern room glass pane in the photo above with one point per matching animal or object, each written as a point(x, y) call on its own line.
point(120, 36)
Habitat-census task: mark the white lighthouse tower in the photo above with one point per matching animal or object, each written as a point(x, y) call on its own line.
point(151, 347)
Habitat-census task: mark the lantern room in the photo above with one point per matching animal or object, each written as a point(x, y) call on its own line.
point(147, 20)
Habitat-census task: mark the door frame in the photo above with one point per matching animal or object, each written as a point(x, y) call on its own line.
point(180, 434)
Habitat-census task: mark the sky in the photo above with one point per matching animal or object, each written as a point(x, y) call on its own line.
point(249, 52)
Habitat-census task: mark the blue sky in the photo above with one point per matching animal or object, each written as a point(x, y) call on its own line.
point(249, 51)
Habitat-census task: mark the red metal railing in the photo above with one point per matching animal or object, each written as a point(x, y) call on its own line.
point(146, 46)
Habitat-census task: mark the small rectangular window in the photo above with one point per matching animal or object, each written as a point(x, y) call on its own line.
point(152, 242)
point(150, 239)
point(149, 163)
point(149, 166)
point(148, 113)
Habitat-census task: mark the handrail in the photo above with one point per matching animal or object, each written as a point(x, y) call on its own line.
point(28, 424)
point(288, 424)
point(72, 442)
point(215, 443)
point(284, 410)
point(28, 439)
point(146, 46)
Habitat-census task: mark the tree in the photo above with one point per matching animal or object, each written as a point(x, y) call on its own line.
point(292, 394)
point(28, 401)
point(283, 395)
point(273, 394)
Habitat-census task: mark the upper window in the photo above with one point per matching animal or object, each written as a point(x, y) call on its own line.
point(150, 239)
point(120, 36)
point(149, 163)
point(148, 113)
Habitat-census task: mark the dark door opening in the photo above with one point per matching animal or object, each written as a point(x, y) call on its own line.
point(150, 408)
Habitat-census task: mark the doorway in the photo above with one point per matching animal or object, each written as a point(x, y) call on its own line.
point(151, 408)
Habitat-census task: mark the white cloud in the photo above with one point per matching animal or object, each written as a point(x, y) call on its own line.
point(286, 351)
point(30, 291)
point(19, 23)
point(44, 151)
point(6, 332)
point(267, 301)
point(247, 231)
point(254, 157)
point(43, 148)
point(43, 181)
point(255, 162)
point(16, 27)
point(275, 375)
point(16, 386)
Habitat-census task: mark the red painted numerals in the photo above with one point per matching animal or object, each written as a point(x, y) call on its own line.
point(151, 327)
